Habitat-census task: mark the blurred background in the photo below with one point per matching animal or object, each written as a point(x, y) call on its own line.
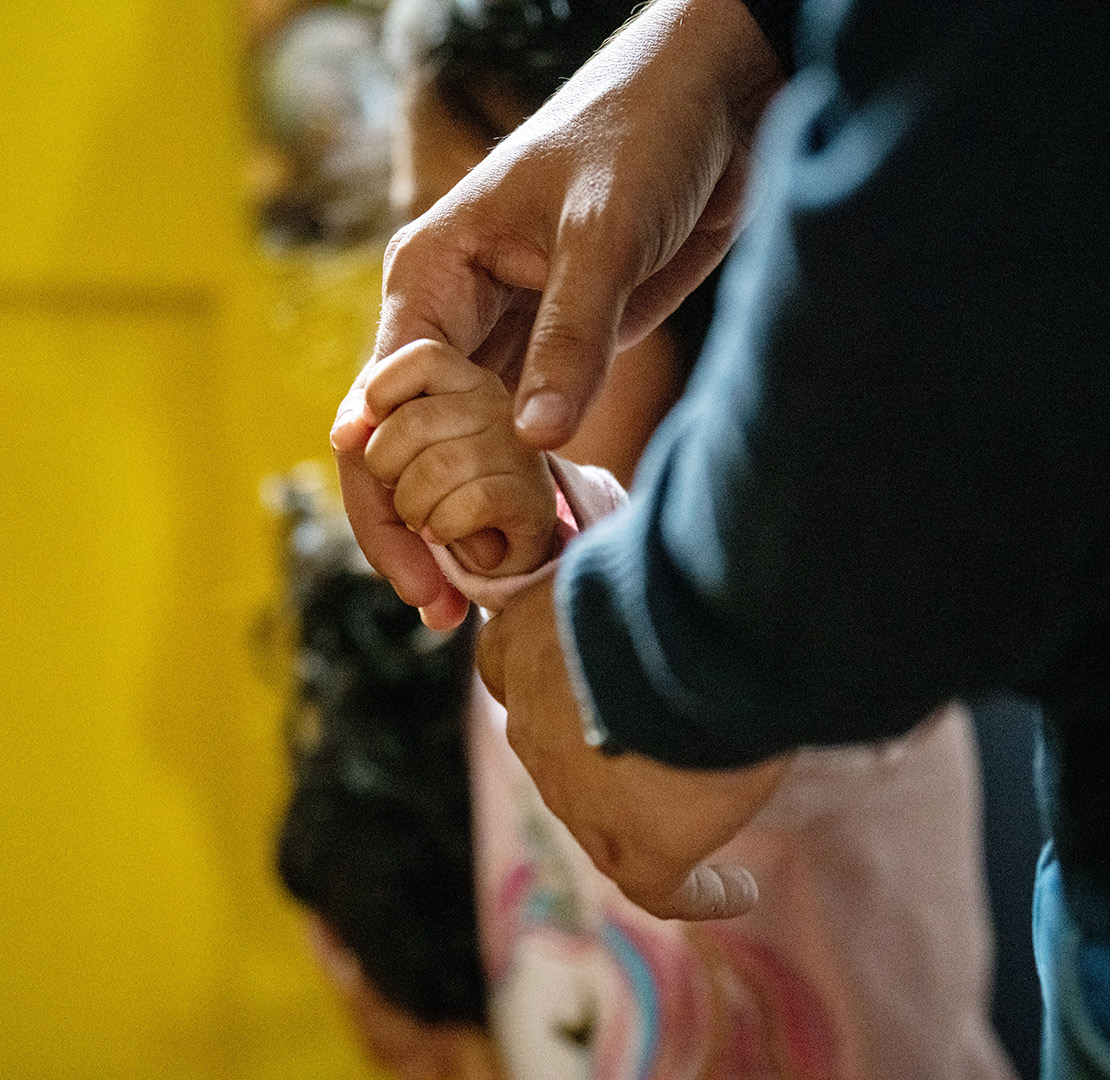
point(174, 328)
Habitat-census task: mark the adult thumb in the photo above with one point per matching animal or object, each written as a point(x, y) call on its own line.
point(574, 339)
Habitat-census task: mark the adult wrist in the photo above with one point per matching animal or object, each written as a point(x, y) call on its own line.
point(727, 36)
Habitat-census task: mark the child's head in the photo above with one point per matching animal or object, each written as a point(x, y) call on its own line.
point(376, 838)
point(522, 48)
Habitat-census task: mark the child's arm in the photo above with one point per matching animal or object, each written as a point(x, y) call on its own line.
point(444, 442)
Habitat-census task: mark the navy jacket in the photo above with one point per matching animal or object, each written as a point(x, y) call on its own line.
point(888, 484)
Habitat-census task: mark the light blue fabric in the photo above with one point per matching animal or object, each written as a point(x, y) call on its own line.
point(1075, 982)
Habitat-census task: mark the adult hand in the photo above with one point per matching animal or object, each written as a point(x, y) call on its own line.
point(579, 233)
point(650, 827)
point(444, 445)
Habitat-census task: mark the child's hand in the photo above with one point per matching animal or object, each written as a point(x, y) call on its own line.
point(444, 442)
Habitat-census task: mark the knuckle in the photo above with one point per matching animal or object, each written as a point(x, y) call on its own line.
point(399, 250)
point(439, 466)
point(558, 334)
point(402, 432)
point(410, 508)
point(486, 497)
point(607, 854)
point(372, 460)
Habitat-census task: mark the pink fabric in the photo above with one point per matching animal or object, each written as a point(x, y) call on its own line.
point(867, 957)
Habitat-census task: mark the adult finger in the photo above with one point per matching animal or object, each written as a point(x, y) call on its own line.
point(708, 243)
point(574, 337)
point(441, 280)
point(662, 293)
point(409, 293)
point(708, 890)
point(392, 550)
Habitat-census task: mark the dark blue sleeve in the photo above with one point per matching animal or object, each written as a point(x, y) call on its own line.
point(887, 483)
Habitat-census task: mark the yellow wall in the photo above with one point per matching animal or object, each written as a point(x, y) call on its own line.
point(154, 368)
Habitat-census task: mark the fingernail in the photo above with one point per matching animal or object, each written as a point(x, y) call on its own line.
point(740, 889)
point(350, 408)
point(351, 429)
point(545, 410)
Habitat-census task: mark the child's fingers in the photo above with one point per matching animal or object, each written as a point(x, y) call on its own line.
point(483, 551)
point(440, 468)
point(505, 501)
point(422, 367)
point(416, 425)
point(521, 511)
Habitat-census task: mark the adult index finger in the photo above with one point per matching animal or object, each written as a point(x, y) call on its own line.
point(391, 549)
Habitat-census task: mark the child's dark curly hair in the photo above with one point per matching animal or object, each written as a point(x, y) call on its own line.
point(377, 838)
